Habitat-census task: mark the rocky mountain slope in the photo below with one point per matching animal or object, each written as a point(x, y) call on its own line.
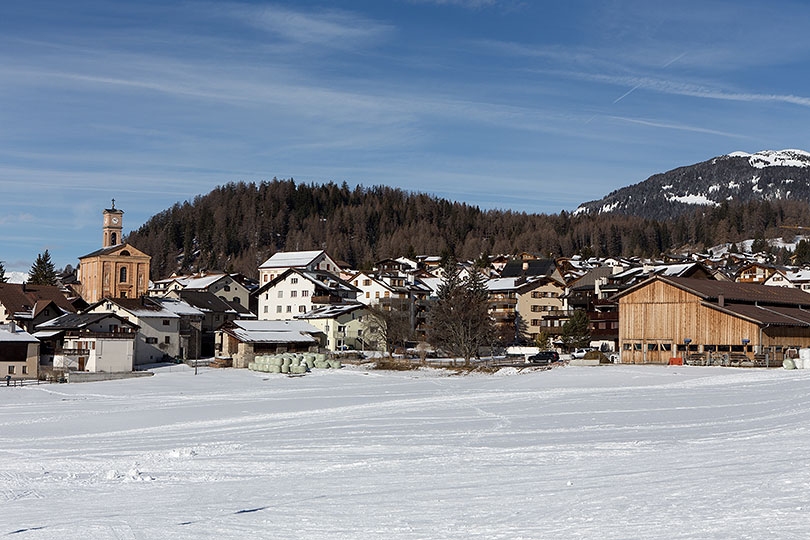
point(736, 177)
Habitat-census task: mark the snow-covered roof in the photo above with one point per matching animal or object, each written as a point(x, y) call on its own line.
point(203, 282)
point(432, 283)
point(291, 259)
point(273, 331)
point(17, 335)
point(797, 276)
point(502, 284)
point(180, 307)
point(44, 334)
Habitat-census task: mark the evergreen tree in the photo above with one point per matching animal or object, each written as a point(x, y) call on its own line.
point(42, 271)
point(802, 254)
point(3, 278)
point(576, 331)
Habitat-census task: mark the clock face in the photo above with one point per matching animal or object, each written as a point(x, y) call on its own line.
point(115, 220)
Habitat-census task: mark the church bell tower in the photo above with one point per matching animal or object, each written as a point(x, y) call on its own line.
point(112, 226)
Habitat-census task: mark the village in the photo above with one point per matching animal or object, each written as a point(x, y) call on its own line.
point(734, 309)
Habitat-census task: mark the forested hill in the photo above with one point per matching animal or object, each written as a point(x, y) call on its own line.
point(237, 226)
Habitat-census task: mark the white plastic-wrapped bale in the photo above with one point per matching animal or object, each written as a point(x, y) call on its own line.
point(274, 369)
point(310, 362)
point(298, 369)
point(787, 363)
point(335, 364)
point(285, 368)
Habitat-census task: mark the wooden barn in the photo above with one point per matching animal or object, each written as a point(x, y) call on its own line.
point(667, 317)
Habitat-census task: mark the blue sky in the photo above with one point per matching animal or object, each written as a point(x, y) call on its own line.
point(533, 106)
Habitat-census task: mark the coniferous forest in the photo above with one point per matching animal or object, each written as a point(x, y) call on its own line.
point(237, 226)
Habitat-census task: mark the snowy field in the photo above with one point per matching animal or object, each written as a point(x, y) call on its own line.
point(607, 452)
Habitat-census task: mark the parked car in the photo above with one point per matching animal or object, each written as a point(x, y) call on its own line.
point(544, 357)
point(580, 353)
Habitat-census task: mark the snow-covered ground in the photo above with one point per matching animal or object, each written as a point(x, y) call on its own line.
point(607, 452)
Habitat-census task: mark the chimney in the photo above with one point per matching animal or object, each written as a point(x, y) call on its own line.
point(12, 327)
point(525, 265)
point(721, 300)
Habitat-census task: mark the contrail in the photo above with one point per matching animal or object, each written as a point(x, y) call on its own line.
point(618, 99)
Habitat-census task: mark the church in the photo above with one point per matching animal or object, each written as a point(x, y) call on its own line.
point(117, 270)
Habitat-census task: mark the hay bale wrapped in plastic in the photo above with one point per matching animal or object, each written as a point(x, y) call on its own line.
point(310, 363)
point(298, 369)
point(788, 363)
point(285, 368)
point(323, 364)
point(274, 369)
point(320, 357)
point(335, 364)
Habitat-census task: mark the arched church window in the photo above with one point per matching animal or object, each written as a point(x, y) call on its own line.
point(123, 274)
point(124, 253)
point(113, 239)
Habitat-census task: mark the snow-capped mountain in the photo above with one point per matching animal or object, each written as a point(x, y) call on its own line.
point(739, 177)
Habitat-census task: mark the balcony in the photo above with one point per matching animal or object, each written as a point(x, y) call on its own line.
point(72, 352)
point(502, 315)
point(499, 299)
point(326, 299)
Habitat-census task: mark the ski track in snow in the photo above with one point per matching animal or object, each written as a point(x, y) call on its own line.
point(608, 452)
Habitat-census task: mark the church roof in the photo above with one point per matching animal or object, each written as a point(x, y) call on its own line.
point(112, 249)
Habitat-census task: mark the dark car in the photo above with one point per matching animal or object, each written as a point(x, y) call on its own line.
point(544, 357)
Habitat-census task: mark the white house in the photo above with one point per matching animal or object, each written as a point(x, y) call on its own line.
point(296, 292)
point(19, 352)
point(798, 279)
point(344, 325)
point(96, 342)
point(159, 329)
point(302, 260)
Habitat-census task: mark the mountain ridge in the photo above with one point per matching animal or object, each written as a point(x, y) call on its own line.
point(767, 175)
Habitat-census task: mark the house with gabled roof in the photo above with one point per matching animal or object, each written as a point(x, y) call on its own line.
point(95, 342)
point(158, 336)
point(316, 261)
point(19, 353)
point(295, 292)
point(30, 305)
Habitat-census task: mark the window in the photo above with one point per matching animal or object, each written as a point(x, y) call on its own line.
point(341, 328)
point(266, 309)
point(168, 339)
point(227, 288)
point(535, 322)
point(536, 309)
point(151, 340)
point(25, 370)
point(305, 293)
point(366, 282)
point(11, 370)
point(113, 239)
point(265, 278)
point(377, 294)
point(535, 294)
point(293, 294)
point(281, 294)
point(165, 322)
point(236, 300)
point(289, 309)
point(368, 294)
point(122, 275)
point(278, 309)
point(302, 309)
point(294, 280)
point(626, 346)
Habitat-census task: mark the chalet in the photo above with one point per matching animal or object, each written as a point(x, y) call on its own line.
point(667, 317)
point(755, 272)
point(96, 342)
point(191, 327)
point(315, 261)
point(795, 279)
point(31, 305)
point(19, 353)
point(296, 292)
point(243, 340)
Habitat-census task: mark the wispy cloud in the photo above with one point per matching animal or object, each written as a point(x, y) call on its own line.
point(334, 27)
point(681, 88)
point(470, 4)
point(681, 127)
